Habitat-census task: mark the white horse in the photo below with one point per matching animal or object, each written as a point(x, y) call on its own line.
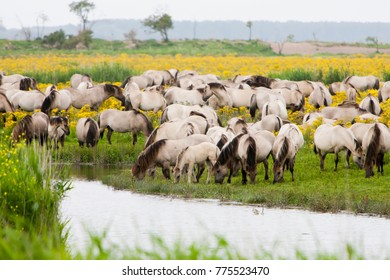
point(371, 104)
point(262, 96)
point(180, 111)
point(270, 123)
point(149, 100)
point(276, 107)
point(197, 96)
point(376, 143)
point(87, 132)
point(346, 111)
point(95, 96)
point(319, 97)
point(5, 104)
point(362, 83)
point(333, 139)
point(286, 146)
point(164, 153)
point(28, 100)
point(142, 81)
point(62, 100)
point(178, 129)
point(384, 93)
point(351, 93)
point(76, 79)
point(237, 125)
point(221, 135)
point(198, 154)
point(124, 121)
point(160, 77)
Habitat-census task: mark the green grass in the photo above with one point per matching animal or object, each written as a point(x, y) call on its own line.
point(150, 47)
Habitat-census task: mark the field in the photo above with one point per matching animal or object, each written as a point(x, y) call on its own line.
point(326, 191)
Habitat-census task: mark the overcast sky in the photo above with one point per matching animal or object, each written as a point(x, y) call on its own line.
point(25, 13)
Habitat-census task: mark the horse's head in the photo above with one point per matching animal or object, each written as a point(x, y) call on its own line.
point(65, 125)
point(176, 174)
point(278, 172)
point(137, 171)
point(220, 172)
point(118, 94)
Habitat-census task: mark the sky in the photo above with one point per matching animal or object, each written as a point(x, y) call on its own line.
point(24, 13)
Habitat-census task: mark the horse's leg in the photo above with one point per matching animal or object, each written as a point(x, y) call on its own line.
point(201, 169)
point(380, 162)
point(244, 179)
point(265, 162)
point(190, 172)
point(291, 165)
point(81, 144)
point(62, 140)
point(347, 156)
point(230, 165)
point(134, 137)
point(165, 170)
point(336, 160)
point(109, 133)
point(322, 159)
point(209, 170)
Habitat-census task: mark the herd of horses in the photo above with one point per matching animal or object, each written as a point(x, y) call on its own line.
point(191, 134)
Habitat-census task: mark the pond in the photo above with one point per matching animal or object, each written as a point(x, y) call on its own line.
point(130, 219)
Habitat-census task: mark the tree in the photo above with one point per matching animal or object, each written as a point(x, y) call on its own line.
point(55, 39)
point(82, 10)
point(289, 38)
point(373, 40)
point(159, 23)
point(249, 25)
point(41, 19)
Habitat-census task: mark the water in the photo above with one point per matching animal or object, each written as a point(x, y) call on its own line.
point(130, 219)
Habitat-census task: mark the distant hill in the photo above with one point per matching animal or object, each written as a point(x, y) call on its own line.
point(233, 30)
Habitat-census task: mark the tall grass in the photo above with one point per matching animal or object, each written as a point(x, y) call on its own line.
point(29, 201)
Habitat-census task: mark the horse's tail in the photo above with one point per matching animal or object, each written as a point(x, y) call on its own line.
point(149, 125)
point(93, 129)
point(315, 149)
point(128, 105)
point(151, 138)
point(47, 102)
point(380, 98)
point(229, 150)
point(250, 164)
point(280, 123)
point(253, 105)
point(376, 85)
point(266, 109)
point(373, 148)
point(331, 90)
point(301, 106)
point(123, 84)
point(371, 106)
point(99, 124)
point(23, 129)
point(283, 151)
point(164, 116)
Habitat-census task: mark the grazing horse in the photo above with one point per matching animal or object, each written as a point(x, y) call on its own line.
point(28, 100)
point(221, 135)
point(150, 99)
point(270, 123)
point(293, 98)
point(319, 97)
point(362, 83)
point(287, 143)
point(10, 79)
point(57, 130)
point(264, 95)
point(5, 104)
point(178, 129)
point(237, 125)
point(142, 81)
point(346, 111)
point(30, 127)
point(180, 111)
point(198, 154)
point(76, 79)
point(124, 121)
point(371, 104)
point(333, 139)
point(161, 77)
point(351, 93)
point(23, 84)
point(60, 99)
point(376, 143)
point(163, 153)
point(95, 96)
point(87, 132)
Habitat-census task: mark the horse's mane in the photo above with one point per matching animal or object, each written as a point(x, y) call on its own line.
point(111, 89)
point(91, 133)
point(373, 147)
point(23, 128)
point(251, 155)
point(346, 80)
point(151, 138)
point(149, 155)
point(149, 125)
point(48, 101)
point(348, 104)
point(283, 151)
point(123, 84)
point(195, 113)
point(259, 81)
point(279, 123)
point(229, 150)
point(180, 155)
point(215, 85)
point(222, 141)
point(164, 116)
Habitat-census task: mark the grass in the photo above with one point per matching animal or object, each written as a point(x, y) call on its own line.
point(150, 47)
